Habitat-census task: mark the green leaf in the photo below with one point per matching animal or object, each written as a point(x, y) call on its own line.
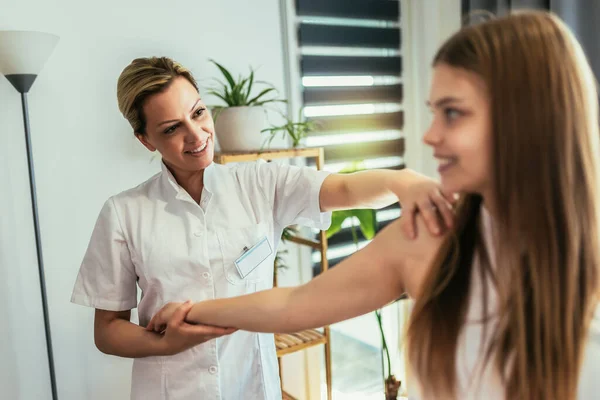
point(353, 167)
point(219, 95)
point(225, 73)
point(261, 94)
point(368, 222)
point(288, 233)
point(337, 219)
point(260, 103)
point(216, 111)
point(239, 92)
point(230, 98)
point(250, 83)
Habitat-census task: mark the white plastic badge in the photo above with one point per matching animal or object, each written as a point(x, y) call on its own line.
point(253, 256)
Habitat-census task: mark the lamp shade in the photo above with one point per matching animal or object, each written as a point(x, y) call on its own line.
point(23, 55)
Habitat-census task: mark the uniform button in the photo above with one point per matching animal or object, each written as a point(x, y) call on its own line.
point(198, 234)
point(213, 370)
point(206, 275)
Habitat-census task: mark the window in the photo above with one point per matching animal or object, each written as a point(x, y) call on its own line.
point(347, 62)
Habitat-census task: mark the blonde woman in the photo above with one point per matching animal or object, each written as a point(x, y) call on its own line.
point(178, 235)
point(505, 302)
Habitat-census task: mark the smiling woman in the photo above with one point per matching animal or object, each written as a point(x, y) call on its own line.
point(194, 230)
point(174, 122)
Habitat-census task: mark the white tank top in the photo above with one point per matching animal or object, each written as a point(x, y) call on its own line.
point(476, 382)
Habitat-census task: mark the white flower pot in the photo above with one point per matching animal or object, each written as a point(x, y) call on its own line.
point(238, 128)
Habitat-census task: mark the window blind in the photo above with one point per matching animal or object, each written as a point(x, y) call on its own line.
point(351, 72)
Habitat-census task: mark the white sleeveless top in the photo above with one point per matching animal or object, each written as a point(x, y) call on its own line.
point(474, 381)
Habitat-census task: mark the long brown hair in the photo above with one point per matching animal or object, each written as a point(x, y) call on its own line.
point(545, 172)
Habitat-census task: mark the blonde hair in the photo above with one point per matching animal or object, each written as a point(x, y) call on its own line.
point(545, 176)
point(143, 78)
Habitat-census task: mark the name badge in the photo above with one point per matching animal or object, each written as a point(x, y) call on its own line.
point(253, 256)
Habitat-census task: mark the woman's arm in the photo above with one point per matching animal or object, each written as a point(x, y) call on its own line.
point(369, 279)
point(379, 188)
point(114, 334)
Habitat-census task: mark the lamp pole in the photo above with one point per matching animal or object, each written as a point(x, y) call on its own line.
point(22, 55)
point(38, 246)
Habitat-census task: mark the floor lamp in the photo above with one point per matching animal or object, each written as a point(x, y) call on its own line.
point(22, 56)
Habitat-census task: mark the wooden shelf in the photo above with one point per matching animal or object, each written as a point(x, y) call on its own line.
point(287, 343)
point(306, 242)
point(270, 154)
point(287, 396)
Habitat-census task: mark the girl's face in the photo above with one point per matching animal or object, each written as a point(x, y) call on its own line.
point(460, 133)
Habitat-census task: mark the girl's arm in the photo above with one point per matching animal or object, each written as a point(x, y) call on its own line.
point(374, 276)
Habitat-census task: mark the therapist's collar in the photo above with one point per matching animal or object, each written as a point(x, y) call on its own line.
point(206, 178)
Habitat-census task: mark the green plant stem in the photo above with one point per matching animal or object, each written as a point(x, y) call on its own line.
point(384, 342)
point(354, 235)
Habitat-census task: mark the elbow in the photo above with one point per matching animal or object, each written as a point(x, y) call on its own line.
point(101, 344)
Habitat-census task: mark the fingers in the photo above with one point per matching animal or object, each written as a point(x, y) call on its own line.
point(179, 314)
point(430, 214)
point(444, 208)
point(451, 197)
point(150, 326)
point(212, 331)
point(407, 224)
point(155, 324)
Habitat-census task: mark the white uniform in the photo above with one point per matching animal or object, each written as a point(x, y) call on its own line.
point(475, 382)
point(157, 236)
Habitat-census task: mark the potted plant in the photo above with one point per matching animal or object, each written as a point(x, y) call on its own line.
point(296, 131)
point(391, 384)
point(368, 225)
point(239, 122)
point(367, 222)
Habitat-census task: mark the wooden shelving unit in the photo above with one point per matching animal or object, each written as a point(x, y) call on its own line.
point(291, 343)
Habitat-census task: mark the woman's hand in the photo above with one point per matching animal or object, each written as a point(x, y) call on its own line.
point(178, 335)
point(419, 194)
point(159, 321)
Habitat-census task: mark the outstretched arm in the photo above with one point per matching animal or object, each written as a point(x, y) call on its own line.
point(374, 276)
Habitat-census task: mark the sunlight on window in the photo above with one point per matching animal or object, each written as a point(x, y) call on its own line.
point(370, 163)
point(327, 111)
point(355, 137)
point(350, 109)
point(321, 81)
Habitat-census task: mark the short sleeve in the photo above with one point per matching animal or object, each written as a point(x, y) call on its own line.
point(294, 194)
point(107, 278)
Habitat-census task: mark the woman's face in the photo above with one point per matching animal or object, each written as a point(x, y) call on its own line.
point(180, 127)
point(460, 133)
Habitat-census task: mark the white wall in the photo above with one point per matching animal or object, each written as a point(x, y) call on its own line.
point(426, 24)
point(84, 152)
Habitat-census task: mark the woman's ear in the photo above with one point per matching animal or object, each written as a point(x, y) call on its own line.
point(144, 140)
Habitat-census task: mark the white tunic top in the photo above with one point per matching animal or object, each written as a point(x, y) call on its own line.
point(156, 236)
point(474, 382)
